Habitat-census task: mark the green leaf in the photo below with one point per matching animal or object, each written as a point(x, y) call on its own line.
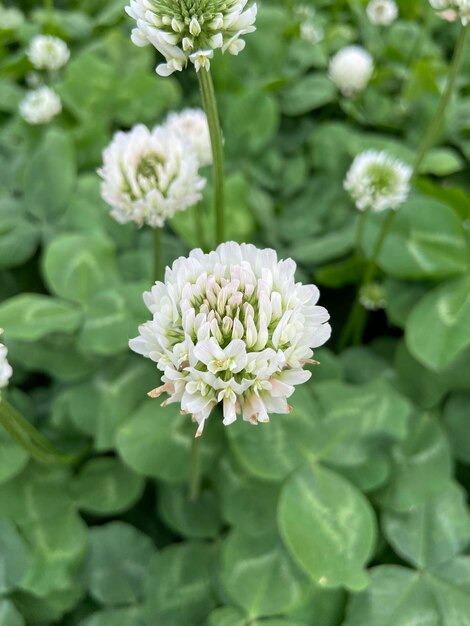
point(328, 527)
point(325, 248)
point(451, 589)
point(178, 587)
point(259, 576)
point(13, 557)
point(199, 519)
point(442, 162)
point(433, 532)
point(13, 458)
point(248, 504)
point(456, 420)
point(425, 387)
point(115, 617)
point(309, 93)
point(38, 502)
point(251, 121)
point(422, 466)
point(401, 299)
point(227, 616)
point(108, 324)
point(437, 330)
point(19, 237)
point(100, 407)
point(320, 607)
point(9, 616)
point(396, 596)
point(118, 564)
point(357, 417)
point(50, 176)
point(156, 442)
point(31, 316)
point(106, 487)
point(78, 267)
point(56, 355)
point(427, 240)
point(272, 451)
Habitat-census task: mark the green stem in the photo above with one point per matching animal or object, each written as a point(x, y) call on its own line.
point(434, 128)
point(356, 322)
point(24, 433)
point(210, 106)
point(195, 475)
point(360, 231)
point(157, 254)
point(49, 8)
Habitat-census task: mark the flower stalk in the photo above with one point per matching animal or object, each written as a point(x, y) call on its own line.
point(210, 106)
point(24, 433)
point(196, 474)
point(356, 322)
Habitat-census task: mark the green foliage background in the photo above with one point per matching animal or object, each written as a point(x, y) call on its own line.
point(350, 511)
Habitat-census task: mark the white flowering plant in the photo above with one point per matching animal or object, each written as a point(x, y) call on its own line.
point(234, 383)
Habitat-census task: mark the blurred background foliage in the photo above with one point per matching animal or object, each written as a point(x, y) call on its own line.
point(352, 510)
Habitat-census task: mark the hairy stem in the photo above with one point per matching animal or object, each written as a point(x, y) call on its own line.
point(210, 106)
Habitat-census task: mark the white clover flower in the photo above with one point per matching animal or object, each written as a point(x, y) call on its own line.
point(48, 53)
point(148, 176)
point(311, 32)
point(191, 127)
point(40, 106)
point(382, 12)
point(373, 296)
point(5, 368)
point(190, 30)
point(378, 181)
point(10, 18)
point(452, 10)
point(304, 12)
point(232, 327)
point(351, 69)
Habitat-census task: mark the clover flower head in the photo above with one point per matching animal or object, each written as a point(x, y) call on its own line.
point(148, 176)
point(304, 12)
point(373, 296)
point(10, 18)
point(377, 181)
point(5, 368)
point(190, 30)
point(232, 327)
point(351, 69)
point(48, 53)
point(452, 10)
point(190, 126)
point(311, 33)
point(382, 12)
point(40, 106)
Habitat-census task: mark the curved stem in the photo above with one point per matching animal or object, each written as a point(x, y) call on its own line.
point(210, 106)
point(24, 433)
point(434, 128)
point(157, 254)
